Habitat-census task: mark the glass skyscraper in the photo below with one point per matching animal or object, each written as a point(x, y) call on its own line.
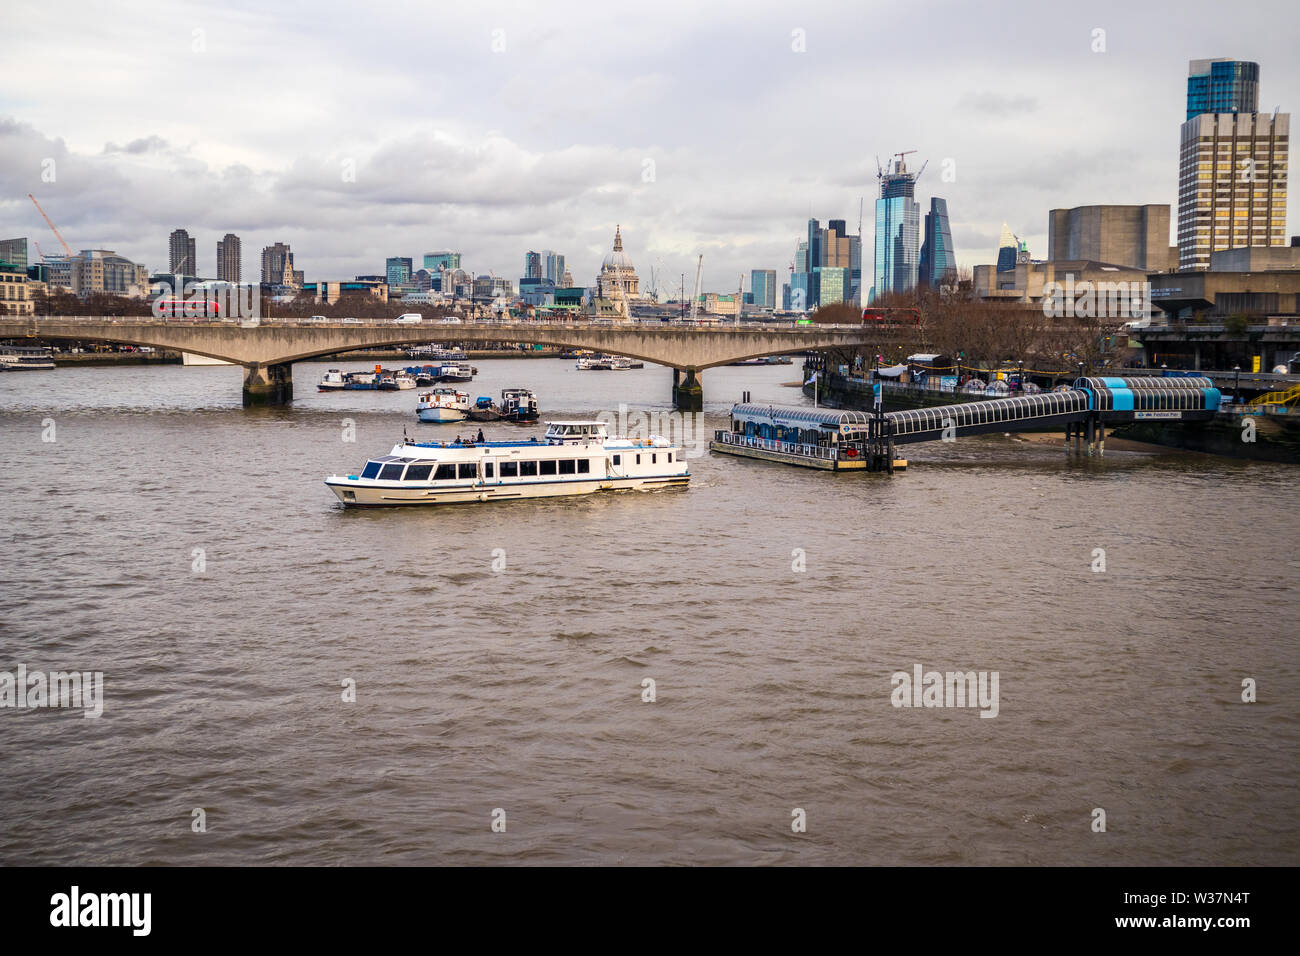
point(1232, 166)
point(763, 284)
point(898, 229)
point(938, 262)
point(1222, 86)
point(436, 261)
point(397, 270)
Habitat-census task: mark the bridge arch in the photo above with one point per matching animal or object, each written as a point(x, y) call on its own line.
point(268, 350)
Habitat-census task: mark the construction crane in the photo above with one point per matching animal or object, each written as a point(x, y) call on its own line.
point(66, 250)
point(695, 299)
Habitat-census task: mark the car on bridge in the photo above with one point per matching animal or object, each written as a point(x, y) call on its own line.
point(410, 318)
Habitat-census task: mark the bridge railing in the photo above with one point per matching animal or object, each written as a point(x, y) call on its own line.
point(440, 325)
point(824, 452)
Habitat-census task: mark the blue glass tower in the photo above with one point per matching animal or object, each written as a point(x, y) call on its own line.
point(1222, 86)
point(938, 264)
point(898, 228)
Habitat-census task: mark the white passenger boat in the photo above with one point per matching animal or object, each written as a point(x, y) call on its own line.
point(575, 458)
point(443, 405)
point(455, 372)
point(25, 358)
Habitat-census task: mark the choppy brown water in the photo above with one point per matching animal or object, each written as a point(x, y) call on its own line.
point(522, 689)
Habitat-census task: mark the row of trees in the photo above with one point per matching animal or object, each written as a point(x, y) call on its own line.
point(985, 332)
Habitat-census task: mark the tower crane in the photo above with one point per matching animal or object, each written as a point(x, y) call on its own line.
point(695, 299)
point(66, 250)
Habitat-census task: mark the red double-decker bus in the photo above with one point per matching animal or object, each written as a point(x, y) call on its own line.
point(892, 316)
point(186, 309)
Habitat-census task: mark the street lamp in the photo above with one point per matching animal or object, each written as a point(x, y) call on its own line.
point(1236, 384)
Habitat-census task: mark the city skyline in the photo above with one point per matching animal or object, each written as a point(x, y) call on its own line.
point(1032, 130)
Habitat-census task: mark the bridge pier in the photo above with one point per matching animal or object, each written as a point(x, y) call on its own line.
point(268, 384)
point(688, 393)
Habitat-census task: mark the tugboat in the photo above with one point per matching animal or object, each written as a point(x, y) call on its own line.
point(443, 405)
point(485, 410)
point(575, 458)
point(518, 405)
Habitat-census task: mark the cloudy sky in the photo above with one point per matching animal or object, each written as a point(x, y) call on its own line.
point(356, 131)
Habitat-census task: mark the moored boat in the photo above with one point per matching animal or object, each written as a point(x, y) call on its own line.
point(574, 458)
point(485, 410)
point(396, 382)
point(442, 405)
point(25, 358)
point(518, 405)
point(456, 372)
point(337, 381)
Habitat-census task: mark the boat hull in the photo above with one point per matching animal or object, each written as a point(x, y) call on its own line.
point(442, 415)
point(355, 495)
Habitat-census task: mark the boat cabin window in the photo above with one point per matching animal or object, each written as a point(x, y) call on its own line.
point(488, 469)
point(528, 469)
point(584, 466)
point(372, 469)
point(418, 472)
point(654, 459)
point(618, 459)
point(392, 472)
point(567, 467)
point(638, 459)
point(468, 469)
point(445, 473)
point(548, 467)
point(510, 469)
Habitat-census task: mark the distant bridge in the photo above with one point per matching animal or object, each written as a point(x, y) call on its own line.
point(268, 349)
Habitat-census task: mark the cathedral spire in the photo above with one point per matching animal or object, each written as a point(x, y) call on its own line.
point(618, 240)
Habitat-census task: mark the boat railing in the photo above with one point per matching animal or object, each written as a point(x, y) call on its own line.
point(824, 452)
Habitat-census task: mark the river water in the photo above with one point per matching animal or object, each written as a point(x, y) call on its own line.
point(186, 548)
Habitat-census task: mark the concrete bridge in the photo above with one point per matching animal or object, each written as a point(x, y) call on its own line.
point(268, 348)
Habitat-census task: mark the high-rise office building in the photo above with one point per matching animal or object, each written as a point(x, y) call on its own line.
point(938, 264)
point(14, 252)
point(762, 283)
point(898, 231)
point(181, 258)
point(442, 259)
point(397, 272)
point(228, 258)
point(552, 267)
point(532, 265)
point(1222, 86)
point(832, 284)
point(1008, 248)
point(1232, 166)
point(277, 266)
